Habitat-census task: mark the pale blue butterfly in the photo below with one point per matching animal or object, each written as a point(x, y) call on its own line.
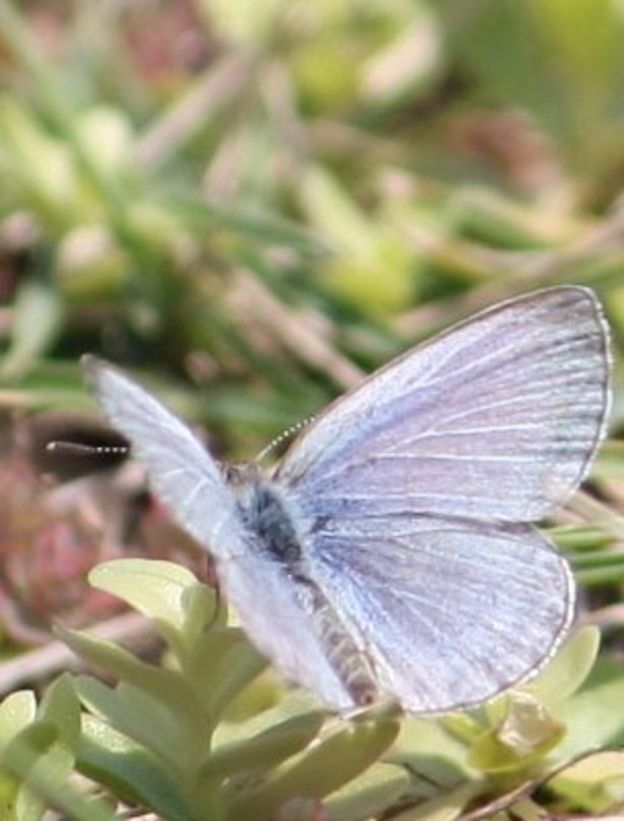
point(390, 552)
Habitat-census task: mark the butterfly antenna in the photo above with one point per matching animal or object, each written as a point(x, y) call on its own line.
point(76, 448)
point(283, 436)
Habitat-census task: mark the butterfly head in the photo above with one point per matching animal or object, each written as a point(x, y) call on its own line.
point(239, 475)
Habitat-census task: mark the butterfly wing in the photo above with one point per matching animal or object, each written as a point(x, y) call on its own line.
point(264, 598)
point(496, 419)
point(190, 484)
point(449, 613)
point(181, 471)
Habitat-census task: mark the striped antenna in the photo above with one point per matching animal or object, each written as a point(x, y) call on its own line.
point(286, 434)
point(60, 446)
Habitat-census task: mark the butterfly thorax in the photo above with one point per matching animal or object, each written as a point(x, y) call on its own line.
point(264, 513)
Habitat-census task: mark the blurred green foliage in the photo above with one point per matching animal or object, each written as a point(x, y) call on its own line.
point(253, 204)
point(212, 736)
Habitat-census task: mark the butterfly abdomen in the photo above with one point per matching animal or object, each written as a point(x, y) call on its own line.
point(348, 661)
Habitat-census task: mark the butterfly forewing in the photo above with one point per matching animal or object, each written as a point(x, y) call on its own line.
point(181, 471)
point(496, 419)
point(192, 487)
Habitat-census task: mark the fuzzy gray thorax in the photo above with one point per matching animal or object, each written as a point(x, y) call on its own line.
point(265, 513)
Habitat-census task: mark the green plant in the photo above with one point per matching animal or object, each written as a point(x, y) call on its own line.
point(319, 187)
point(211, 734)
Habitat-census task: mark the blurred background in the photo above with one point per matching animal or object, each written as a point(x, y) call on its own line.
point(250, 205)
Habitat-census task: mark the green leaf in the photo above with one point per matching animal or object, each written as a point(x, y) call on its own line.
point(41, 165)
point(28, 805)
point(266, 691)
point(50, 770)
point(261, 226)
point(581, 537)
point(222, 664)
point(369, 794)
point(26, 756)
point(520, 66)
point(533, 52)
point(598, 567)
point(167, 686)
point(526, 732)
point(594, 783)
point(129, 770)
point(610, 461)
point(593, 715)
point(168, 593)
point(567, 671)
point(37, 314)
point(336, 215)
point(237, 22)
point(205, 611)
point(427, 748)
point(168, 734)
point(594, 61)
point(333, 761)
point(17, 711)
point(155, 588)
point(60, 706)
point(294, 703)
point(408, 64)
point(446, 807)
point(265, 749)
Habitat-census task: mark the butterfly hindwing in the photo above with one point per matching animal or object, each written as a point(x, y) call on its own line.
point(449, 612)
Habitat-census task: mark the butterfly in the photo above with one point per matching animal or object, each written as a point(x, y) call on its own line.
point(391, 552)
